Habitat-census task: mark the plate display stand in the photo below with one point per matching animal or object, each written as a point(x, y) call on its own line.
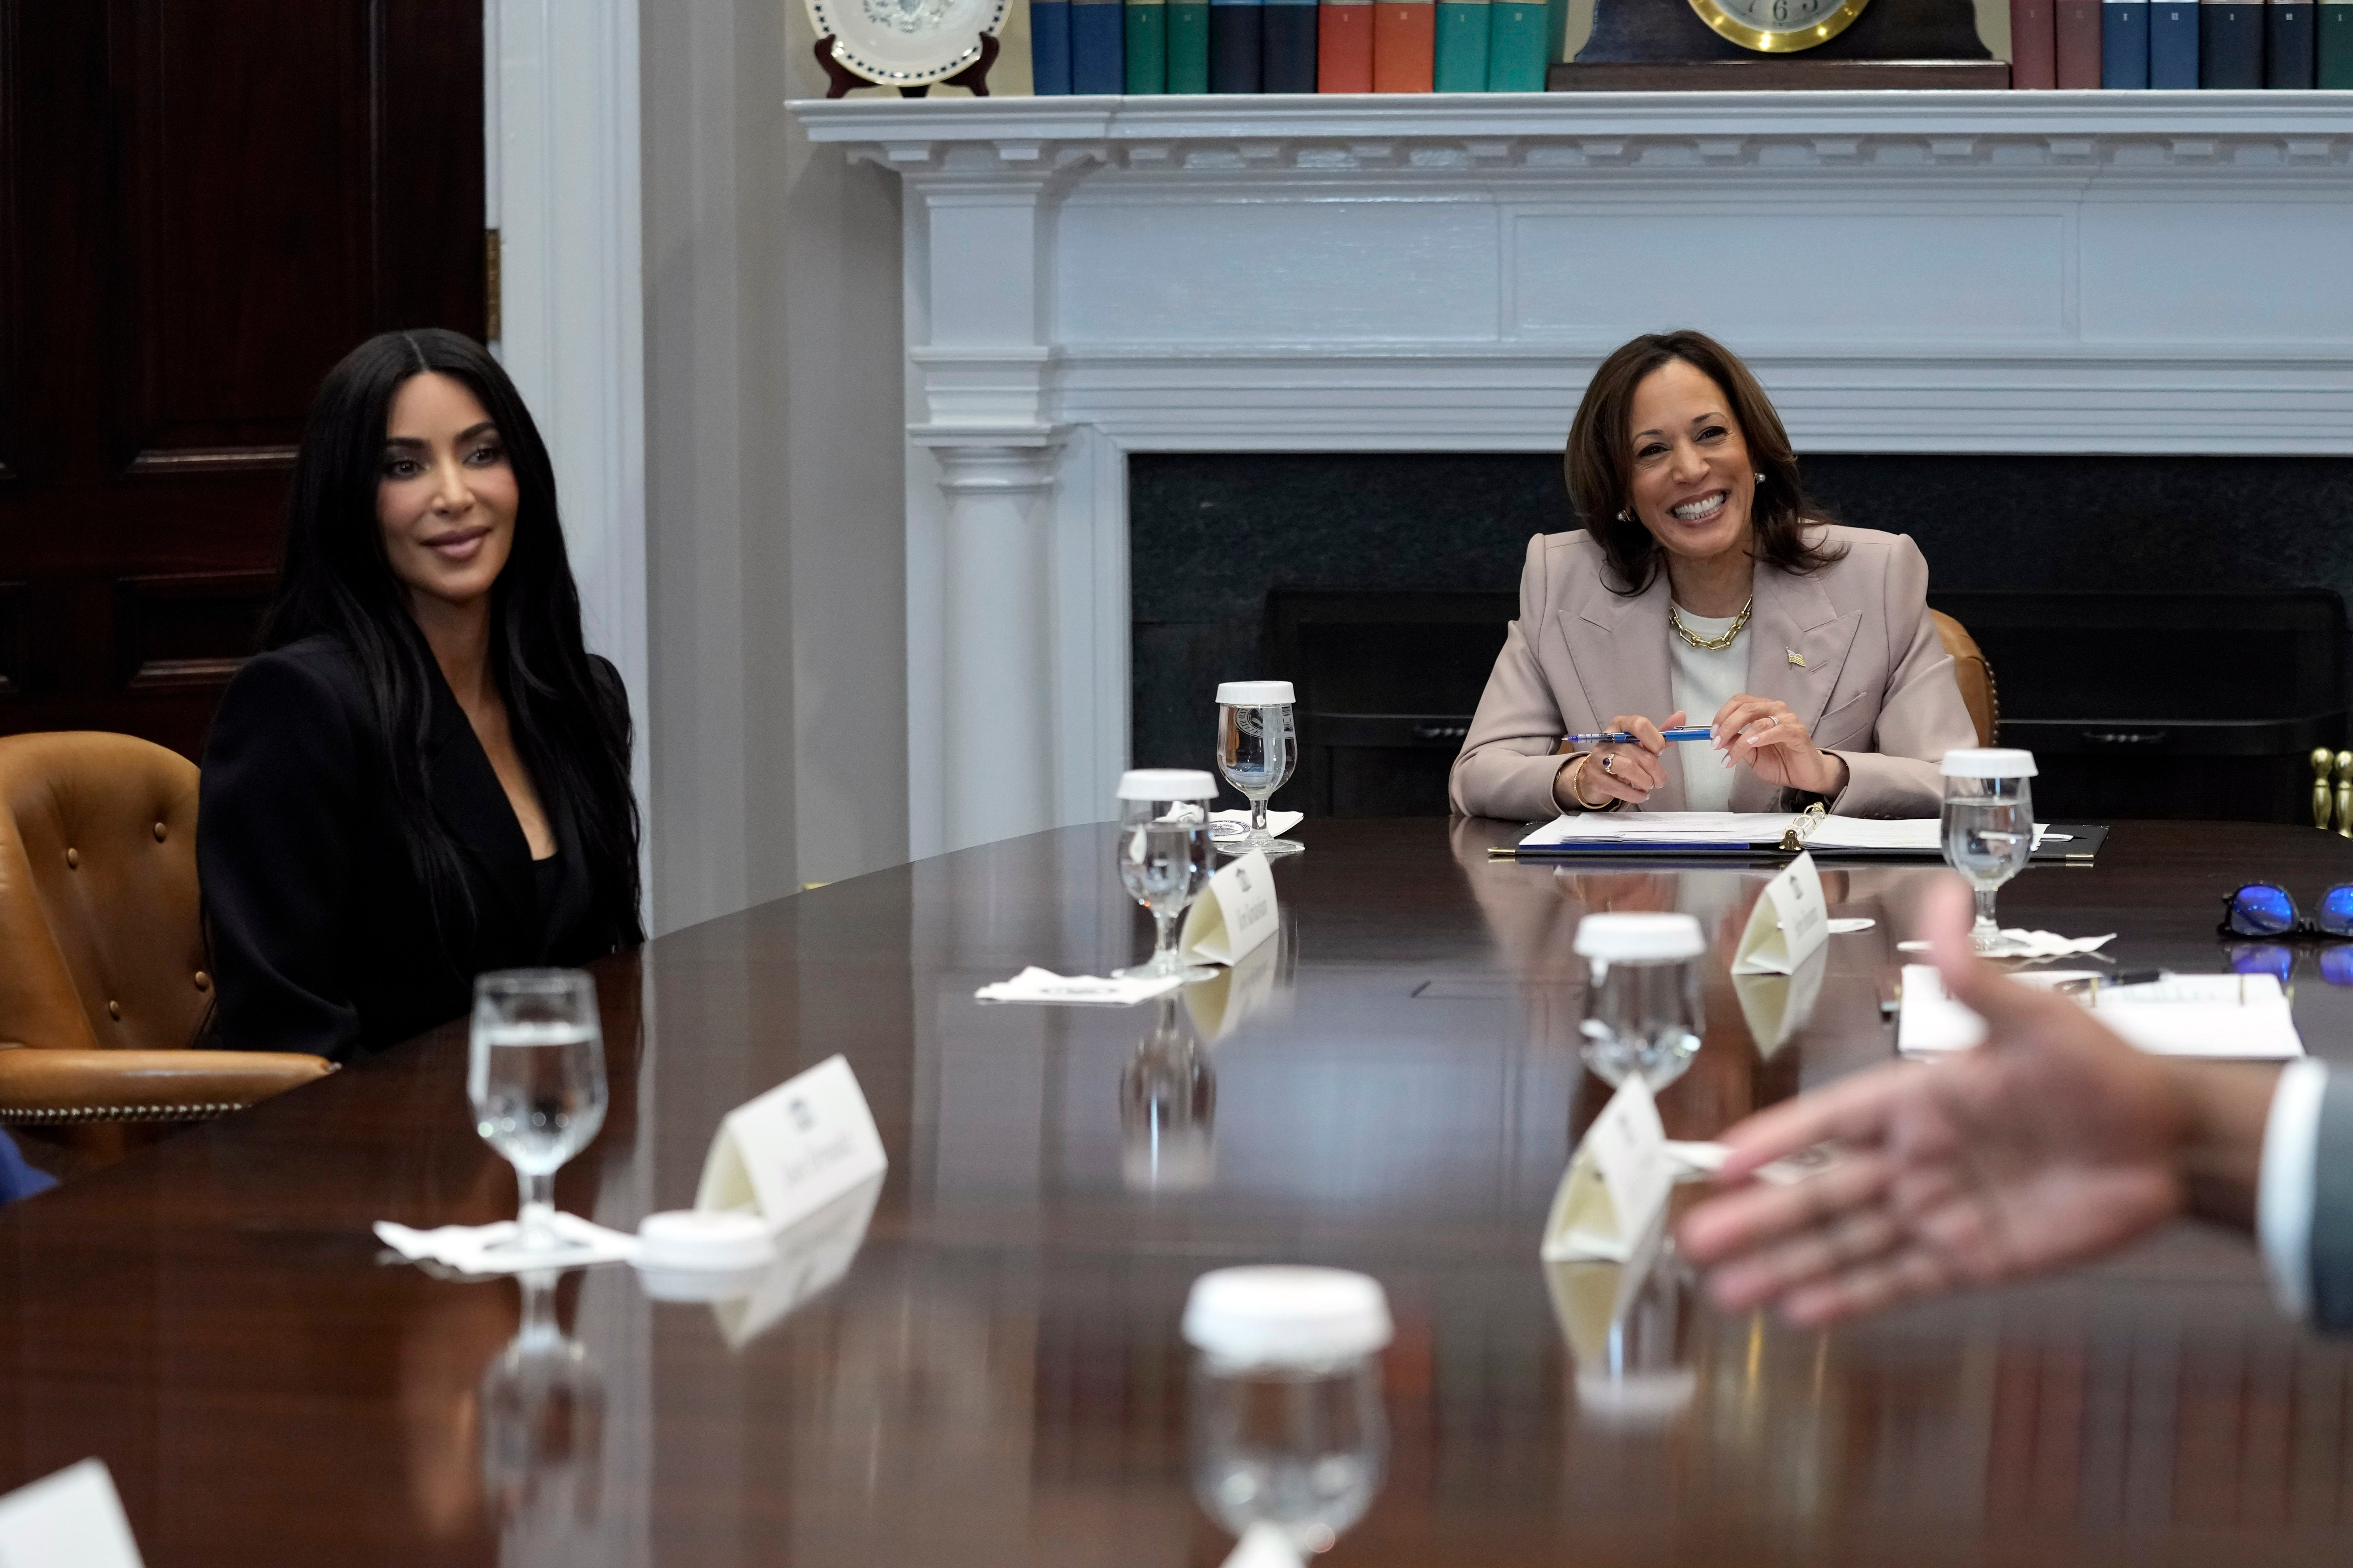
point(840, 79)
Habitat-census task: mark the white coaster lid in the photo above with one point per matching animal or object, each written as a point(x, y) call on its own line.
point(1988, 763)
point(1253, 693)
point(1167, 784)
point(1286, 1315)
point(1639, 938)
point(698, 1239)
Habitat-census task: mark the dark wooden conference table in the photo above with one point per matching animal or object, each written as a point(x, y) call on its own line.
point(997, 1377)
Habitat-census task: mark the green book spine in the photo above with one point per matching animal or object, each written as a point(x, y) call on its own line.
point(1461, 64)
point(1147, 45)
point(1519, 45)
point(2335, 54)
point(1188, 48)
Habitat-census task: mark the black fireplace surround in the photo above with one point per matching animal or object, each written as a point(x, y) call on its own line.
point(2168, 633)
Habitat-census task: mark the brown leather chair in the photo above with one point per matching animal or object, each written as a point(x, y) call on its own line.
point(103, 986)
point(1974, 674)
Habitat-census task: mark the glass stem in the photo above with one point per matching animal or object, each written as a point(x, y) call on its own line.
point(1986, 925)
point(539, 1325)
point(1257, 816)
point(537, 1211)
point(1163, 945)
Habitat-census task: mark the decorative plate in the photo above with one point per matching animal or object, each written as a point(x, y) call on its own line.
point(906, 43)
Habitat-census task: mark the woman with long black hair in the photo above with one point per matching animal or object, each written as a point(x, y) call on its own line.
point(425, 773)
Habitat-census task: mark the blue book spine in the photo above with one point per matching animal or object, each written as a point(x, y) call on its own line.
point(2173, 44)
point(1050, 47)
point(2124, 43)
point(2229, 44)
point(2287, 43)
point(1464, 41)
point(1237, 42)
point(2332, 50)
point(1288, 46)
point(1097, 46)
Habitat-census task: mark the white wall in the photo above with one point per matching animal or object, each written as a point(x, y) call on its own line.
point(774, 506)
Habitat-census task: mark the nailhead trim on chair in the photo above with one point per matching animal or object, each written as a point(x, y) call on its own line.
point(204, 1111)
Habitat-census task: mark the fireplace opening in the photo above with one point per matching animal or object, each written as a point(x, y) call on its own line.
point(2164, 640)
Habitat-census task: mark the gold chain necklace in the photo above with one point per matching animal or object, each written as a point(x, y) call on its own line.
point(1715, 644)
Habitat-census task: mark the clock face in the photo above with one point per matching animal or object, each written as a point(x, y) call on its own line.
point(1778, 27)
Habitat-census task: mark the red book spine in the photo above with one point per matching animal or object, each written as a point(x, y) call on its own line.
point(1405, 46)
point(1344, 48)
point(2033, 45)
point(2077, 28)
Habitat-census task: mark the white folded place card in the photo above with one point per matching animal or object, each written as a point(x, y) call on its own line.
point(810, 1257)
point(487, 1248)
point(2241, 1016)
point(1234, 914)
point(1788, 922)
point(795, 1149)
point(1616, 1189)
point(1043, 985)
point(73, 1519)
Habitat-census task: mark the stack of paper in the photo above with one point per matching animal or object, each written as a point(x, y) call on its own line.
point(1703, 831)
point(2241, 1016)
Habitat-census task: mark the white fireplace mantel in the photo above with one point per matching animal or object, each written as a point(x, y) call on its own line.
point(1907, 273)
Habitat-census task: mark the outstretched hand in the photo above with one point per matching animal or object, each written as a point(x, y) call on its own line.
point(2051, 1143)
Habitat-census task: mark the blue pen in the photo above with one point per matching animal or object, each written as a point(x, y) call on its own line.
point(1622, 737)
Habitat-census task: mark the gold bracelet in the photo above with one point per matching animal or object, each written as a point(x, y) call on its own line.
point(1576, 793)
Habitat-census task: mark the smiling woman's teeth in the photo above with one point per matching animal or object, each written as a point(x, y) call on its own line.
point(1693, 510)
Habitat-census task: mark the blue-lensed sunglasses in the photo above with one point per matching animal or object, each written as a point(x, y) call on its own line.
point(2266, 909)
point(2279, 960)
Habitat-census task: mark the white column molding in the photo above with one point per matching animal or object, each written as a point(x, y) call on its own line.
point(997, 723)
point(565, 170)
point(1907, 273)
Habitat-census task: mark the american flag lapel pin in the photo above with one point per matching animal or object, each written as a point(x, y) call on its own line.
point(1797, 659)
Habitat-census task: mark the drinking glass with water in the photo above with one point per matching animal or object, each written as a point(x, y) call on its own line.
point(1164, 858)
point(1641, 1009)
point(535, 1073)
point(1288, 1434)
point(1258, 748)
point(1988, 826)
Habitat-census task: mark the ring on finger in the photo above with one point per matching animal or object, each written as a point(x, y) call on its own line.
point(1607, 758)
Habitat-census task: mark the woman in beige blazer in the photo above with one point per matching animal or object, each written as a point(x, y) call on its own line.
point(1709, 596)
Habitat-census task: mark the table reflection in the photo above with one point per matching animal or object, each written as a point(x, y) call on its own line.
point(543, 1433)
point(1169, 1109)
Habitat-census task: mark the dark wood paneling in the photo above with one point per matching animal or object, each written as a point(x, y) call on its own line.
point(228, 194)
point(243, 264)
point(189, 631)
point(12, 360)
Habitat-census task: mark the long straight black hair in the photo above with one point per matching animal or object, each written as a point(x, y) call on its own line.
point(570, 721)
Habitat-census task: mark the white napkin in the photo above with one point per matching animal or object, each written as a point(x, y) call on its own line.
point(2022, 943)
point(1235, 824)
point(466, 1248)
point(1265, 1545)
point(1846, 927)
point(1036, 984)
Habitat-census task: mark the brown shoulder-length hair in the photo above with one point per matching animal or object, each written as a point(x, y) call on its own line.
point(1597, 460)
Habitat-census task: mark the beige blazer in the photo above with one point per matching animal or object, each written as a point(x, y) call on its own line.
point(1876, 686)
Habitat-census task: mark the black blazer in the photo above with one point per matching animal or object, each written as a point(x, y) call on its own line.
point(321, 935)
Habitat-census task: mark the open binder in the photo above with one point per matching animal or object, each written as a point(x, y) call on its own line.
point(1656, 835)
